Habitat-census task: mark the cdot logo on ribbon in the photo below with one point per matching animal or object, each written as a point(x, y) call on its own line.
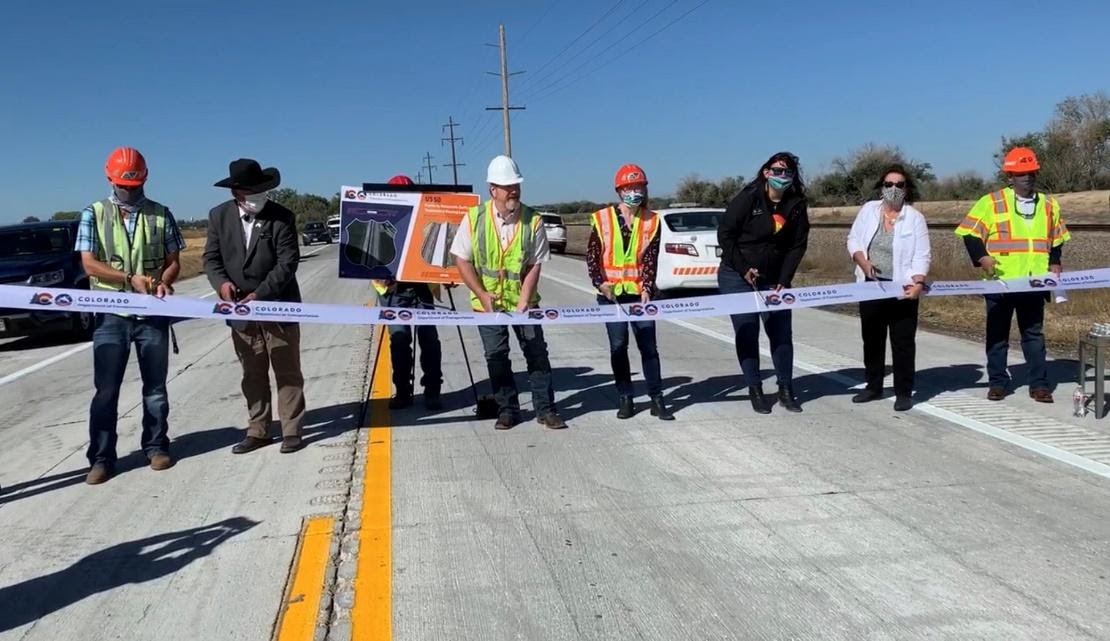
point(63, 300)
point(42, 298)
point(222, 308)
point(242, 309)
point(1038, 283)
point(404, 315)
point(637, 309)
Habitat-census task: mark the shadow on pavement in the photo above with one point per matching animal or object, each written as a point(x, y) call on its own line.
point(321, 423)
point(135, 561)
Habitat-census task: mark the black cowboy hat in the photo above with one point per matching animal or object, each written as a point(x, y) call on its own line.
point(248, 175)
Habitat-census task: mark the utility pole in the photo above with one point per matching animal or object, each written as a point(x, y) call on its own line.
point(505, 108)
point(429, 167)
point(420, 177)
point(454, 164)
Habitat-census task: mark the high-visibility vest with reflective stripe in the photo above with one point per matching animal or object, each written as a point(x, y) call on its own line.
point(622, 266)
point(1020, 248)
point(380, 286)
point(501, 269)
point(144, 253)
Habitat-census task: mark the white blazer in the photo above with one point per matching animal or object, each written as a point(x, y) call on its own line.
point(911, 241)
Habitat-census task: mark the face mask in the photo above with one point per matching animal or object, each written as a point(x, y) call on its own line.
point(1025, 184)
point(894, 196)
point(127, 197)
point(254, 202)
point(633, 198)
point(780, 183)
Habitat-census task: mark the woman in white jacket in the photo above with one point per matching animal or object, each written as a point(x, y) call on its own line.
point(889, 242)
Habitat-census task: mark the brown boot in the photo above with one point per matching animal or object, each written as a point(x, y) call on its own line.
point(996, 393)
point(160, 461)
point(1041, 395)
point(98, 474)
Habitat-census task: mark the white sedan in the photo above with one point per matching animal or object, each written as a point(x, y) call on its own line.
point(688, 250)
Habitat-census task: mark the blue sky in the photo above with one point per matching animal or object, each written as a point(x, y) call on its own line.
point(335, 92)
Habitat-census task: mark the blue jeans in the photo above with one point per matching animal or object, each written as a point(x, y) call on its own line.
point(644, 331)
point(413, 296)
point(112, 341)
point(1029, 307)
point(495, 341)
point(779, 328)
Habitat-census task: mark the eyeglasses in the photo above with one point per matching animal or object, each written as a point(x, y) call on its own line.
point(780, 171)
point(901, 184)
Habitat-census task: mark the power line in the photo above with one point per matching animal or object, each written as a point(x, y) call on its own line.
point(535, 24)
point(454, 164)
point(545, 94)
point(505, 108)
point(571, 44)
point(606, 36)
point(428, 165)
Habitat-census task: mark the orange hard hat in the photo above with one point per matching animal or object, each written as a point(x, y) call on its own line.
point(1020, 160)
point(400, 179)
point(630, 175)
point(126, 167)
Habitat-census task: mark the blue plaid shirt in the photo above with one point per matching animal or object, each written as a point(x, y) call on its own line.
point(89, 241)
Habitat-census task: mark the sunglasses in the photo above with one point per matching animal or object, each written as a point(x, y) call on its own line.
point(901, 184)
point(780, 171)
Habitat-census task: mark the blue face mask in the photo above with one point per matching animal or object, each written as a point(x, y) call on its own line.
point(780, 183)
point(633, 198)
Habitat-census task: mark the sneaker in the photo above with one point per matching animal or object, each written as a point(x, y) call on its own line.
point(552, 421)
point(902, 403)
point(98, 474)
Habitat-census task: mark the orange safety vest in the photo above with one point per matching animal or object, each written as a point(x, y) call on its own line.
point(621, 265)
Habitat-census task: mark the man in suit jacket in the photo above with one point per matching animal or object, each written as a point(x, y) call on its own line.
point(252, 254)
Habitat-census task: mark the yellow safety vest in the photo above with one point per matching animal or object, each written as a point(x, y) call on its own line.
point(501, 269)
point(1020, 247)
point(623, 271)
point(144, 253)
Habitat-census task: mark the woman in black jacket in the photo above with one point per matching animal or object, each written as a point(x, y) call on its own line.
point(763, 237)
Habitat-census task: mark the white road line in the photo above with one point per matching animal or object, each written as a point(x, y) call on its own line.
point(1032, 445)
point(84, 346)
point(46, 363)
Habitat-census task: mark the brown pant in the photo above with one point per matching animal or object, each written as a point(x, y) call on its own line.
point(258, 346)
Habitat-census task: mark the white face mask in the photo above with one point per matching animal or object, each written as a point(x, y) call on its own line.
point(254, 202)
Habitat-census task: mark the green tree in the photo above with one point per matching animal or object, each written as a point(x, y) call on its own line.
point(32, 219)
point(1073, 149)
point(852, 178)
point(66, 215)
point(707, 193)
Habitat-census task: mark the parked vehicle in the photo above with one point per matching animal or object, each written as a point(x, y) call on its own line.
point(688, 250)
point(556, 232)
point(41, 255)
point(315, 232)
point(333, 228)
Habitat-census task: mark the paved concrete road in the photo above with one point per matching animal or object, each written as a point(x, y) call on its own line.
point(199, 551)
point(844, 522)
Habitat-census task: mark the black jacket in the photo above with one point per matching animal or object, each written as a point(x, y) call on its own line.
point(748, 239)
point(268, 267)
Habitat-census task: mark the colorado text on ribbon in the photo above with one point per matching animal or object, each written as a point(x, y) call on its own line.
point(74, 300)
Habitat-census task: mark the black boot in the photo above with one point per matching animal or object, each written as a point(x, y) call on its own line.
point(659, 409)
point(787, 400)
point(402, 400)
point(759, 401)
point(627, 407)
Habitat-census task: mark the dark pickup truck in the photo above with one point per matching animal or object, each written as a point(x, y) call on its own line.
point(315, 232)
point(41, 255)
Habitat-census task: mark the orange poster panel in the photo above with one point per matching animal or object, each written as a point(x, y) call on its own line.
point(437, 219)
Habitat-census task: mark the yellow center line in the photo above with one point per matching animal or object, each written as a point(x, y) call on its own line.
point(372, 614)
point(302, 600)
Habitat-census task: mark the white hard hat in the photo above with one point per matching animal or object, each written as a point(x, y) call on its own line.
point(503, 171)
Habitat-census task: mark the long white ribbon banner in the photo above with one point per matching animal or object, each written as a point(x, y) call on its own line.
point(74, 300)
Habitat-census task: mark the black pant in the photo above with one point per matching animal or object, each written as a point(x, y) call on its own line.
point(898, 316)
point(413, 296)
point(1029, 308)
point(779, 328)
point(644, 331)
